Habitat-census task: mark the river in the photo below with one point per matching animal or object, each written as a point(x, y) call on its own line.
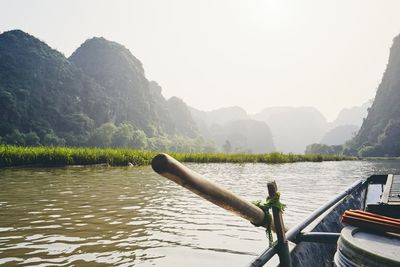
point(133, 217)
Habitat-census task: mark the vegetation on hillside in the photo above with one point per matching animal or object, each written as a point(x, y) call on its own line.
point(323, 149)
point(97, 98)
point(43, 95)
point(380, 132)
point(110, 135)
point(133, 99)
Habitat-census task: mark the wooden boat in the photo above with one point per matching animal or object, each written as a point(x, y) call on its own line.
point(314, 240)
point(317, 236)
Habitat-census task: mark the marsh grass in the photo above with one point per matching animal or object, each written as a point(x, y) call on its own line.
point(62, 156)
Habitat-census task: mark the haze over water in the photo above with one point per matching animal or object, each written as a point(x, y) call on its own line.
point(131, 216)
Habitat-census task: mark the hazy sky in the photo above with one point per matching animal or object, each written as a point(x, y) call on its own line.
point(251, 53)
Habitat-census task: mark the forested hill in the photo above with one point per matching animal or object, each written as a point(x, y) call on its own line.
point(122, 75)
point(98, 97)
point(43, 94)
point(380, 132)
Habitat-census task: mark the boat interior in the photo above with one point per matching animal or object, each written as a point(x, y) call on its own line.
point(314, 242)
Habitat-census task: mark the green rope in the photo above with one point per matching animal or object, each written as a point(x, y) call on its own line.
point(266, 205)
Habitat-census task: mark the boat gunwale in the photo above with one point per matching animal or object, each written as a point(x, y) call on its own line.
point(292, 234)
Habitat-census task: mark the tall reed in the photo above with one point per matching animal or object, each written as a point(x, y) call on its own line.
point(61, 156)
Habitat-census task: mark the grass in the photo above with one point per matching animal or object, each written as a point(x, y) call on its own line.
point(61, 156)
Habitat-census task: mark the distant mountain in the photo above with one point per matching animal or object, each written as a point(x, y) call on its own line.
point(346, 125)
point(98, 97)
point(226, 115)
point(243, 136)
point(351, 116)
point(220, 116)
point(339, 135)
point(294, 128)
point(380, 132)
point(247, 135)
point(266, 113)
point(233, 125)
point(205, 120)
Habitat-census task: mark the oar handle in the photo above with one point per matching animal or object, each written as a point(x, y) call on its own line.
point(172, 169)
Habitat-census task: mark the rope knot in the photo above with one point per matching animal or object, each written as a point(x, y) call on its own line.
point(266, 205)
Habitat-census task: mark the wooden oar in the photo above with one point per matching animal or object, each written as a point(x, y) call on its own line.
point(172, 169)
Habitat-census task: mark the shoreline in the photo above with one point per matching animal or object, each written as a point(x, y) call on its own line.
point(15, 156)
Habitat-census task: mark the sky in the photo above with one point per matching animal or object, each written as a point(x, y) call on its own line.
point(217, 53)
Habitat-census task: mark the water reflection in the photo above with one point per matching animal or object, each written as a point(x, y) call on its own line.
point(131, 216)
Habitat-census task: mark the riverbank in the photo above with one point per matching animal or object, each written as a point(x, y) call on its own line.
point(62, 156)
point(379, 158)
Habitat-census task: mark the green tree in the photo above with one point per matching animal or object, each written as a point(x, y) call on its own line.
point(102, 136)
point(77, 129)
point(369, 151)
point(8, 114)
point(32, 139)
point(51, 139)
point(15, 138)
point(123, 136)
point(389, 140)
point(159, 143)
point(139, 139)
point(324, 149)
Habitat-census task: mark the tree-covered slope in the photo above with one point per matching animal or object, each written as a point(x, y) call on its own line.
point(136, 100)
point(380, 132)
point(98, 97)
point(181, 117)
point(42, 92)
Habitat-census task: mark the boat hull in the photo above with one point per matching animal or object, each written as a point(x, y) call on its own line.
point(315, 239)
point(321, 254)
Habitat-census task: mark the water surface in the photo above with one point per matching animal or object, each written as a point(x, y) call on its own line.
point(133, 217)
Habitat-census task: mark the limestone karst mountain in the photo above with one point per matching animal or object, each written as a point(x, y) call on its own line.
point(380, 132)
point(234, 130)
point(135, 99)
point(293, 128)
point(46, 98)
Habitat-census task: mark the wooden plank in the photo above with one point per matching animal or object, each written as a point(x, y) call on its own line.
point(394, 194)
point(386, 191)
point(389, 204)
